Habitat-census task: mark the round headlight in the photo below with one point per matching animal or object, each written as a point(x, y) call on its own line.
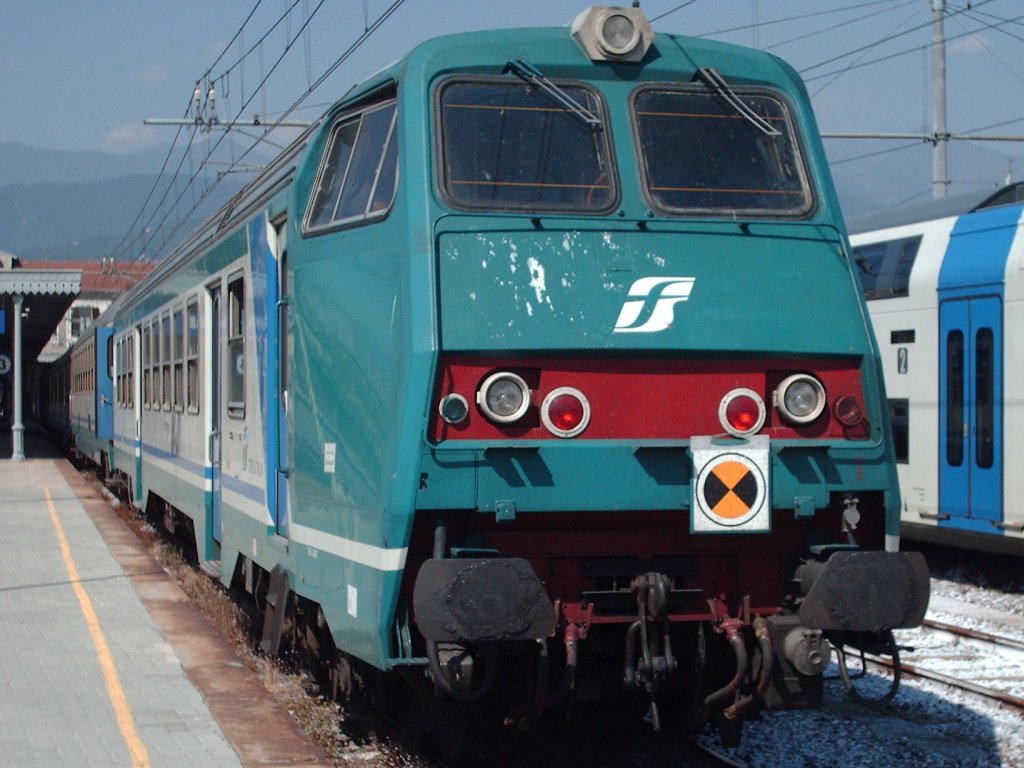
point(565, 412)
point(800, 398)
point(503, 397)
point(741, 412)
point(619, 34)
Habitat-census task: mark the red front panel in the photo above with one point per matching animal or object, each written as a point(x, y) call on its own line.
point(646, 399)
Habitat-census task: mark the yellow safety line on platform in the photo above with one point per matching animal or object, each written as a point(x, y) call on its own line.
point(125, 721)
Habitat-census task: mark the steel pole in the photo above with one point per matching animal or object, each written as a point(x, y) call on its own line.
point(18, 428)
point(940, 171)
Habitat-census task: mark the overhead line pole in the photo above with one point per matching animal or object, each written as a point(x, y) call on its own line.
point(940, 135)
point(940, 170)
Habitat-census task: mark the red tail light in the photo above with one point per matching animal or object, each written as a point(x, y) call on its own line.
point(741, 412)
point(565, 412)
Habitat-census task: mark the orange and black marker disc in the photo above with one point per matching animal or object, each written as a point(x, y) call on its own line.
point(730, 490)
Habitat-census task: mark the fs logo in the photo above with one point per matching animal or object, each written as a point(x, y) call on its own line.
point(651, 306)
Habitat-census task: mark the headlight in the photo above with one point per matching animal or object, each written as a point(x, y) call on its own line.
point(618, 34)
point(613, 34)
point(503, 397)
point(800, 398)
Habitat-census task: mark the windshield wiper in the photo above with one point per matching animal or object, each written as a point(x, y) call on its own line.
point(532, 75)
point(717, 83)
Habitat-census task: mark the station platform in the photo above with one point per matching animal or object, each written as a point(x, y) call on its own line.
point(103, 660)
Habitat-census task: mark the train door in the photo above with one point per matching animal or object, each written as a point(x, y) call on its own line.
point(216, 323)
point(970, 412)
point(281, 423)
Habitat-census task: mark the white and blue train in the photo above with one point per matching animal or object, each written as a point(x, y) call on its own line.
point(945, 290)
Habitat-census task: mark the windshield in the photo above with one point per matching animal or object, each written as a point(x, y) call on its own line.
point(510, 145)
point(700, 155)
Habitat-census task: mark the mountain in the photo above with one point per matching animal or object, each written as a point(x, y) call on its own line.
point(83, 221)
point(20, 164)
point(59, 205)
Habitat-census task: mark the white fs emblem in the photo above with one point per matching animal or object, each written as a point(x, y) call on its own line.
point(651, 306)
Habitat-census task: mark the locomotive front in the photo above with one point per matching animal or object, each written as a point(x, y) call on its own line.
point(657, 430)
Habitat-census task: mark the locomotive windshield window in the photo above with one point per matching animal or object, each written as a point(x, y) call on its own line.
point(885, 267)
point(699, 155)
point(356, 181)
point(507, 145)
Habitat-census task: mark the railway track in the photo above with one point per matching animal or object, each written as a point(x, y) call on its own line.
point(976, 662)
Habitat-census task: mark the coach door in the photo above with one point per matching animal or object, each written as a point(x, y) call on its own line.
point(216, 325)
point(280, 401)
point(970, 410)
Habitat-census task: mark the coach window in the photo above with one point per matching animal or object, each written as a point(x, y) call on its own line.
point(147, 374)
point(955, 398)
point(885, 267)
point(699, 155)
point(236, 347)
point(165, 360)
point(120, 372)
point(985, 389)
point(192, 354)
point(155, 340)
point(129, 367)
point(356, 180)
point(179, 358)
point(508, 145)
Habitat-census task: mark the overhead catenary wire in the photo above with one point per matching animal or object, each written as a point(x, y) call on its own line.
point(236, 162)
point(202, 164)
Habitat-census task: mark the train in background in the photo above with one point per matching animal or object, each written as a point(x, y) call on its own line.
point(76, 397)
point(499, 385)
point(944, 284)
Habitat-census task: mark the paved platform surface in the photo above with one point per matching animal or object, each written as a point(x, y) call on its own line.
point(103, 661)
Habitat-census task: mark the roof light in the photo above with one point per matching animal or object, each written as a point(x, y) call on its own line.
point(565, 412)
point(503, 397)
point(741, 412)
point(800, 398)
point(613, 34)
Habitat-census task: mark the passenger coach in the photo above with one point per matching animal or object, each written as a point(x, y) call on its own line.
point(945, 287)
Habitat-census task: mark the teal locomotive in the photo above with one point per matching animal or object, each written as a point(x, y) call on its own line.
point(540, 359)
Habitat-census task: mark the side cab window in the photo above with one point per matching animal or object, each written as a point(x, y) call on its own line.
point(358, 172)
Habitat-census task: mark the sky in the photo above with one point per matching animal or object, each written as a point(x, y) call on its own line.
point(84, 75)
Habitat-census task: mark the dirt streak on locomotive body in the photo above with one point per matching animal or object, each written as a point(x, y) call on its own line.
point(540, 337)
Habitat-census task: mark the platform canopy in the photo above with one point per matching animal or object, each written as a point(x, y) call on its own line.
point(46, 296)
